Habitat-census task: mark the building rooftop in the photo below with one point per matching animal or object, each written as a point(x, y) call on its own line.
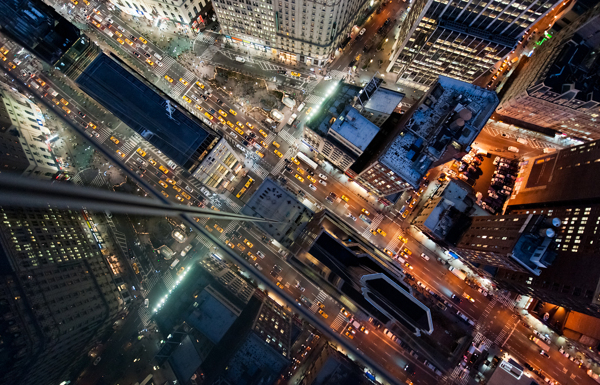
point(404, 158)
point(354, 128)
point(510, 373)
point(272, 201)
point(213, 316)
point(384, 100)
point(178, 135)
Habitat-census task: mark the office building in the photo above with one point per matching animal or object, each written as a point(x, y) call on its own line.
point(377, 104)
point(220, 167)
point(558, 87)
point(459, 40)
point(562, 185)
point(296, 31)
point(520, 242)
point(37, 27)
point(352, 267)
point(438, 128)
point(182, 12)
point(23, 137)
point(332, 367)
point(270, 200)
point(155, 117)
point(78, 57)
point(57, 294)
point(445, 215)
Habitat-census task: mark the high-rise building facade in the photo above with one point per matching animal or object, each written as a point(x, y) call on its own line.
point(177, 11)
point(559, 86)
point(23, 136)
point(522, 242)
point(441, 125)
point(57, 296)
point(562, 185)
point(460, 39)
point(295, 30)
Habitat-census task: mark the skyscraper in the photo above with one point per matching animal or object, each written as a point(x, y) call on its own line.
point(460, 39)
point(562, 185)
point(57, 295)
point(441, 125)
point(296, 30)
point(559, 86)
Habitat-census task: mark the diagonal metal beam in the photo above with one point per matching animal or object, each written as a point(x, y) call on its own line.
point(27, 192)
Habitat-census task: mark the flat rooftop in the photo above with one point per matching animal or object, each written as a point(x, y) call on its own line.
point(274, 202)
point(355, 128)
point(212, 318)
point(405, 158)
point(384, 100)
point(180, 137)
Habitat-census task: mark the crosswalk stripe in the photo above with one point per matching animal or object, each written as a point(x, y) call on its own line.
point(339, 321)
point(145, 316)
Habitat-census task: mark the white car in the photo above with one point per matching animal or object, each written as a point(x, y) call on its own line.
point(97, 360)
point(352, 217)
point(362, 31)
point(322, 182)
point(327, 77)
point(260, 254)
point(312, 187)
point(424, 256)
point(323, 176)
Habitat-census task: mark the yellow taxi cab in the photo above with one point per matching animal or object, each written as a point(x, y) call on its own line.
point(160, 182)
point(141, 152)
point(279, 285)
point(264, 134)
point(349, 335)
point(249, 125)
point(208, 115)
point(407, 251)
point(296, 74)
point(11, 66)
point(169, 79)
point(239, 131)
point(185, 83)
point(366, 211)
point(299, 178)
point(119, 34)
point(121, 153)
point(171, 181)
point(388, 252)
point(120, 40)
point(128, 42)
point(383, 233)
point(176, 188)
point(163, 169)
point(310, 178)
point(274, 143)
point(345, 198)
point(402, 239)
point(373, 232)
point(98, 25)
point(251, 256)
point(241, 247)
point(150, 62)
point(294, 160)
point(218, 228)
point(184, 194)
point(199, 84)
point(143, 40)
point(199, 108)
point(152, 161)
point(248, 243)
point(40, 82)
point(210, 230)
point(75, 2)
point(323, 314)
point(230, 244)
point(408, 265)
point(232, 112)
point(63, 101)
point(114, 139)
point(4, 50)
point(2, 57)
point(55, 101)
point(405, 214)
point(262, 143)
point(309, 110)
point(66, 109)
point(240, 125)
point(180, 199)
point(301, 170)
point(92, 125)
point(187, 99)
point(278, 153)
point(223, 113)
point(260, 154)
point(221, 120)
point(230, 124)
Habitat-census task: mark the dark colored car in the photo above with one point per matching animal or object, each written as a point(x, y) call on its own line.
point(219, 102)
point(410, 369)
point(81, 114)
point(456, 298)
point(137, 54)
